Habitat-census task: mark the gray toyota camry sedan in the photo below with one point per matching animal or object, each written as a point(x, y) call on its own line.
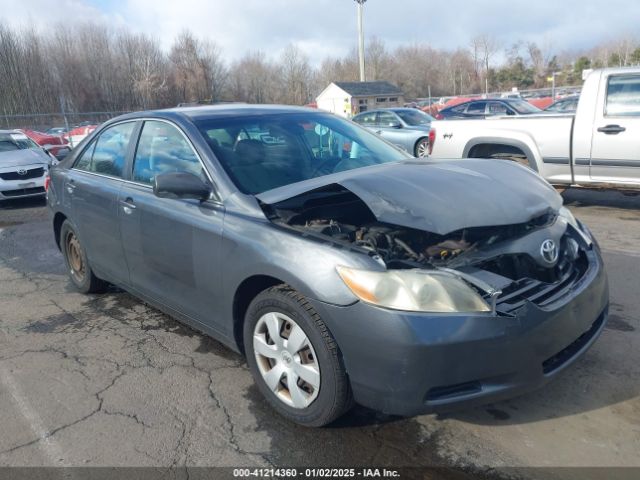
point(342, 268)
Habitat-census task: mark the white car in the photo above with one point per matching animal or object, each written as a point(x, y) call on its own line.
point(599, 145)
point(24, 166)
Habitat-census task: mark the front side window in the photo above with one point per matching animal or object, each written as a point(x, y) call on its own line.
point(306, 145)
point(162, 149)
point(623, 95)
point(498, 108)
point(107, 154)
point(387, 119)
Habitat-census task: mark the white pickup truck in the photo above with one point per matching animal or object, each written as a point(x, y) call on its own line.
point(598, 146)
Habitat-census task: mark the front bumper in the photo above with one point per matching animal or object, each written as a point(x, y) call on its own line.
point(410, 363)
point(30, 187)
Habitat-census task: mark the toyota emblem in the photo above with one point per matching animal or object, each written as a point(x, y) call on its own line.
point(22, 171)
point(549, 251)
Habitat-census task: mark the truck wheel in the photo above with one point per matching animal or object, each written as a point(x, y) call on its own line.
point(294, 359)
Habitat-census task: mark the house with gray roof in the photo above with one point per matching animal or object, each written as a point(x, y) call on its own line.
point(350, 98)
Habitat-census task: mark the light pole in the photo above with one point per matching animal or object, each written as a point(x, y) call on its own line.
point(360, 39)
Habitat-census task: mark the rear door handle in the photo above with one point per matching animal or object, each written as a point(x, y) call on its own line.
point(611, 129)
point(128, 206)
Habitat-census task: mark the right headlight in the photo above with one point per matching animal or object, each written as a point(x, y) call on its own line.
point(413, 290)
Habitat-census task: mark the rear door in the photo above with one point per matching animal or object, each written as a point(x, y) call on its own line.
point(92, 185)
point(171, 245)
point(615, 145)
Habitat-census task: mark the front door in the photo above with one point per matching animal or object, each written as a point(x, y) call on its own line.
point(93, 186)
point(615, 147)
point(171, 245)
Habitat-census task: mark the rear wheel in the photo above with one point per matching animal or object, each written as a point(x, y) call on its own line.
point(75, 258)
point(294, 358)
point(421, 149)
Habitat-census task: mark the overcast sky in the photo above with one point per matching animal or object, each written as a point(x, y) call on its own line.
point(328, 27)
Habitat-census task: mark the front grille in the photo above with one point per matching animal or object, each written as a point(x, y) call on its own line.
point(32, 173)
point(545, 292)
point(23, 191)
point(566, 354)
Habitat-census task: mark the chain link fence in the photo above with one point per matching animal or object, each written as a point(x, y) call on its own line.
point(42, 122)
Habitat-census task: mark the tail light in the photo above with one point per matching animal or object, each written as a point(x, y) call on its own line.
point(432, 139)
point(439, 116)
point(47, 182)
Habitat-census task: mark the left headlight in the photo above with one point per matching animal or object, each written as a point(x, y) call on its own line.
point(413, 290)
point(565, 213)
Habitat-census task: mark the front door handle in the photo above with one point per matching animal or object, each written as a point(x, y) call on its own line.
point(378, 132)
point(128, 206)
point(70, 187)
point(611, 129)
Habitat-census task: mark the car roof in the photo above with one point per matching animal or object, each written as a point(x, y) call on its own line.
point(222, 110)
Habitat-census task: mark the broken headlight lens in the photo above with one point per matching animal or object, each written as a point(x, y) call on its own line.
point(565, 213)
point(413, 290)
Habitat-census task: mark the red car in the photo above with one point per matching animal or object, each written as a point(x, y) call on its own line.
point(54, 144)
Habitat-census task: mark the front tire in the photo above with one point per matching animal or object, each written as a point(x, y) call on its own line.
point(75, 258)
point(294, 359)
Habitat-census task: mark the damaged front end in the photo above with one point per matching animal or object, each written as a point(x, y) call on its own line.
point(505, 265)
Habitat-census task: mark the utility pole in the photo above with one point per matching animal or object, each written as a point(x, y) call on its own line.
point(360, 39)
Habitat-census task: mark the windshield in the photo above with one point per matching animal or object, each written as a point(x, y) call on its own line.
point(414, 117)
point(15, 141)
point(523, 107)
point(263, 152)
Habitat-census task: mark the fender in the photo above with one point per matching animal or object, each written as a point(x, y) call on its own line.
point(515, 139)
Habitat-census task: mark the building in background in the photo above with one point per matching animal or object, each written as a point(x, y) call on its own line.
point(350, 98)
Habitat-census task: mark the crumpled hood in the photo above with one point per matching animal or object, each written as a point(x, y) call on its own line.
point(441, 196)
point(23, 158)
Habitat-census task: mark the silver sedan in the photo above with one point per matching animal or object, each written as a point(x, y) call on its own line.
point(407, 128)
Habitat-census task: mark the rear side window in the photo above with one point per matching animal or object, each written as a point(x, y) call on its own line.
point(623, 95)
point(476, 108)
point(366, 119)
point(162, 149)
point(106, 155)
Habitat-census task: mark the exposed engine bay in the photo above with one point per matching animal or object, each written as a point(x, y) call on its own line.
point(342, 216)
point(500, 256)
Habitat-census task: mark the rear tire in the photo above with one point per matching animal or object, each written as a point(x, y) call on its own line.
point(75, 258)
point(421, 149)
point(283, 313)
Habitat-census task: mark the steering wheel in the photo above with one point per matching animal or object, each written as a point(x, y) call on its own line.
point(324, 167)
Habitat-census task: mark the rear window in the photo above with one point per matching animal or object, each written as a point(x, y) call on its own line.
point(623, 95)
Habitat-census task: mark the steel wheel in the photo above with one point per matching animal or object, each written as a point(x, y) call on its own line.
point(422, 148)
point(286, 360)
point(74, 256)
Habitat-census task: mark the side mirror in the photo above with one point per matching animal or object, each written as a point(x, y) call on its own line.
point(180, 185)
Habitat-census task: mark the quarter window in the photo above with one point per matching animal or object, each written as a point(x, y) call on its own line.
point(107, 154)
point(162, 149)
point(623, 95)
